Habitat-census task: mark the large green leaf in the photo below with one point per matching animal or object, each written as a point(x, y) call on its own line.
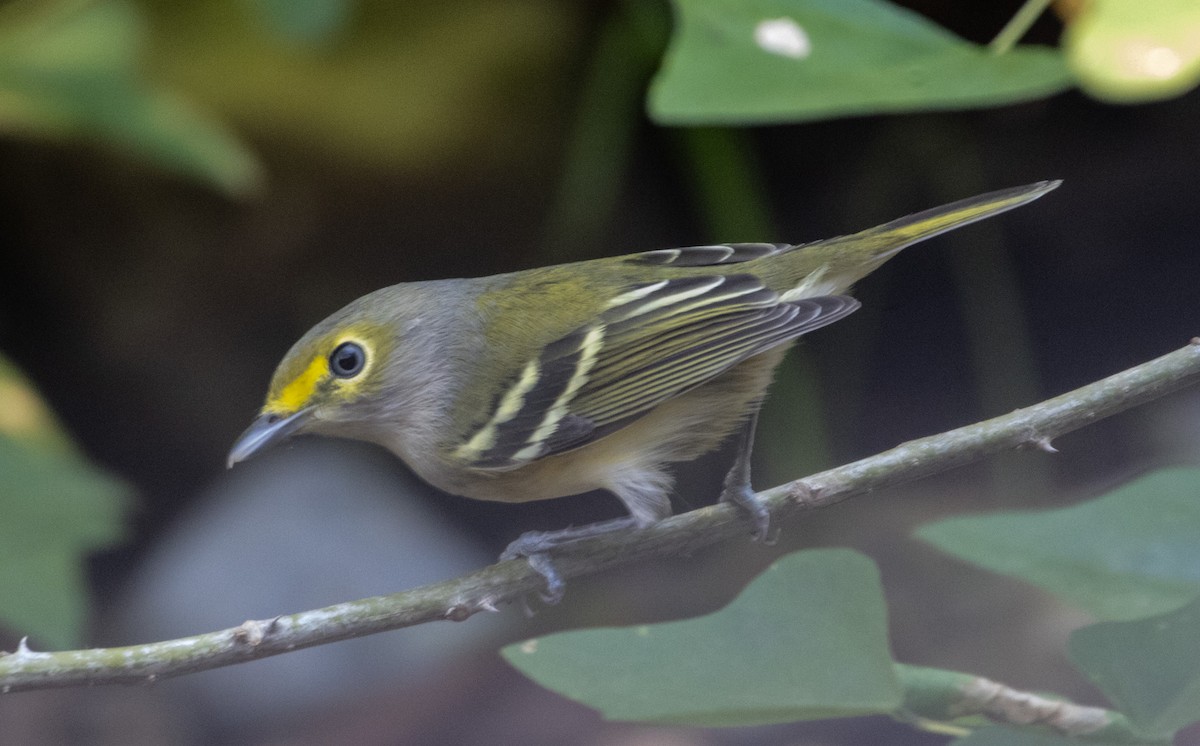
point(1135, 50)
point(1126, 555)
point(56, 508)
point(1149, 668)
point(760, 61)
point(71, 71)
point(807, 639)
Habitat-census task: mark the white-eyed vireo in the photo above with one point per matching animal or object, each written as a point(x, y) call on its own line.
point(583, 376)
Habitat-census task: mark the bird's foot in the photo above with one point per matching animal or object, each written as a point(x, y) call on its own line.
point(535, 547)
point(745, 498)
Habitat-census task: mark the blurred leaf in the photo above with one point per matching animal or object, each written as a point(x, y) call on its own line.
point(437, 88)
point(72, 72)
point(1135, 50)
point(1149, 668)
point(307, 21)
point(56, 509)
point(807, 639)
point(25, 417)
point(1126, 555)
point(733, 61)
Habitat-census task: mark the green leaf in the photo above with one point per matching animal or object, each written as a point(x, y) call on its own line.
point(1128, 51)
point(1149, 668)
point(807, 639)
point(763, 61)
point(1126, 555)
point(56, 509)
point(72, 72)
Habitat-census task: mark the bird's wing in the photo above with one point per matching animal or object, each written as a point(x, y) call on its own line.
point(653, 341)
point(708, 256)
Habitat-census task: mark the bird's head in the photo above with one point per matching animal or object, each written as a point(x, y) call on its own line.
point(334, 380)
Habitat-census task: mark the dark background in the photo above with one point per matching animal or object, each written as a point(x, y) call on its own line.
point(150, 312)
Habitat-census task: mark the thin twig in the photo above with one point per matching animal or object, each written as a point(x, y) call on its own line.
point(483, 590)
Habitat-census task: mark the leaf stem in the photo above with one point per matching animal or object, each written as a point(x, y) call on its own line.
point(1018, 25)
point(933, 696)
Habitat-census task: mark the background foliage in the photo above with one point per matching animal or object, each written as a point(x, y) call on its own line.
point(187, 187)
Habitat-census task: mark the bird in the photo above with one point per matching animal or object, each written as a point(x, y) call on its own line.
point(592, 375)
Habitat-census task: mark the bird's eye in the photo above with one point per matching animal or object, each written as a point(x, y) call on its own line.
point(347, 360)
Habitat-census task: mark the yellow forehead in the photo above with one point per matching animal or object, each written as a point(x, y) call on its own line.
point(299, 391)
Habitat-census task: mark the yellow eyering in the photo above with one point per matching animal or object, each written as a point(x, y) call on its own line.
point(300, 391)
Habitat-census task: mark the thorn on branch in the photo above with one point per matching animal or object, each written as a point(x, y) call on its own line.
point(1043, 444)
point(24, 652)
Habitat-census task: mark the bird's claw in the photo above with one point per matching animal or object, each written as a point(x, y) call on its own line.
point(532, 545)
point(554, 583)
point(760, 518)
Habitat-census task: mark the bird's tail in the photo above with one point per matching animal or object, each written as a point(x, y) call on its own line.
point(891, 237)
point(833, 265)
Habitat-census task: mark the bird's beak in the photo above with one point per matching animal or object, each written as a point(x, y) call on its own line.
point(266, 430)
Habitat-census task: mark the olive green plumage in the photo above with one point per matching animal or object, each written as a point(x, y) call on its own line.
point(596, 374)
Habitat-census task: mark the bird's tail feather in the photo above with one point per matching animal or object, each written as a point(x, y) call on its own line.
point(891, 237)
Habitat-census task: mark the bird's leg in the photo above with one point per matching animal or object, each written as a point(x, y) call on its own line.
point(737, 482)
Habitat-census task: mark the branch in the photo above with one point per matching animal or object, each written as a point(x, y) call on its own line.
point(461, 598)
